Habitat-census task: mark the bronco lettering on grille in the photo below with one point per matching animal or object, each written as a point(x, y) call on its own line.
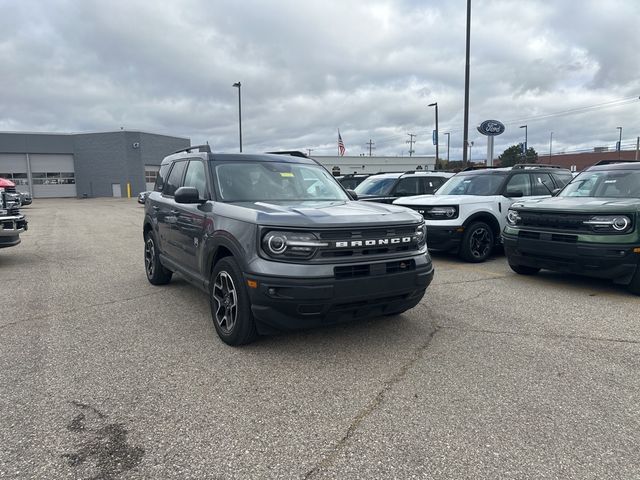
point(374, 243)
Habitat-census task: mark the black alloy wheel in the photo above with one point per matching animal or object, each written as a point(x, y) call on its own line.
point(477, 243)
point(230, 304)
point(157, 274)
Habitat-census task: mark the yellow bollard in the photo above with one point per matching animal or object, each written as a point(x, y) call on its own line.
point(128, 190)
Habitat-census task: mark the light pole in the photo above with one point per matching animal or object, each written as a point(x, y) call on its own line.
point(550, 145)
point(448, 142)
point(619, 142)
point(465, 135)
point(525, 140)
point(437, 140)
point(238, 85)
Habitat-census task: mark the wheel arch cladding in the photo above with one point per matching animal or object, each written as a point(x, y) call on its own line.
point(487, 218)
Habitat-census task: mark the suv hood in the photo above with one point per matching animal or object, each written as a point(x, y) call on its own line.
point(324, 214)
point(581, 204)
point(444, 200)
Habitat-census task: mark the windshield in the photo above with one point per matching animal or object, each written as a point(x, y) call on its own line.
point(611, 184)
point(274, 181)
point(473, 184)
point(376, 186)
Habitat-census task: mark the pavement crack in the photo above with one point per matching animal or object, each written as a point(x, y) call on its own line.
point(371, 407)
point(540, 335)
point(473, 281)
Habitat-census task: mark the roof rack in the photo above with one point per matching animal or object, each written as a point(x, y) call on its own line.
point(535, 165)
point(293, 153)
point(480, 167)
point(611, 162)
point(201, 148)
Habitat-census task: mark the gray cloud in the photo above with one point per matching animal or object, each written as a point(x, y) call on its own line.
point(309, 68)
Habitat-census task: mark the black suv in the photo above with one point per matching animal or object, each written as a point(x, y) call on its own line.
point(278, 244)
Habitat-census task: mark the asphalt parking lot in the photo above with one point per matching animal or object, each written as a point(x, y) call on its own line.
point(492, 376)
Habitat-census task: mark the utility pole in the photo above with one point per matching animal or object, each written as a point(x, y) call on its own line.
point(637, 147)
point(550, 144)
point(238, 85)
point(309, 150)
point(371, 144)
point(466, 85)
point(619, 143)
point(411, 141)
point(448, 142)
point(436, 140)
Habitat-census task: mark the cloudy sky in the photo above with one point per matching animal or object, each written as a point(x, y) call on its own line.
point(307, 68)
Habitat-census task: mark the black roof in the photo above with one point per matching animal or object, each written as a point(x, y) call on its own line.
point(614, 165)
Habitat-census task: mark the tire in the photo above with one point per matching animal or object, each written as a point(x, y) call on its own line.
point(230, 304)
point(156, 273)
point(634, 286)
point(524, 270)
point(477, 243)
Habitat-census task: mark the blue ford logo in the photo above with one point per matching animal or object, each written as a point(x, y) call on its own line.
point(491, 128)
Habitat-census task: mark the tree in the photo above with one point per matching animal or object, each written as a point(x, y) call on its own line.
point(513, 155)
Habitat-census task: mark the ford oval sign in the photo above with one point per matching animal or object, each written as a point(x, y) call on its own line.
point(491, 128)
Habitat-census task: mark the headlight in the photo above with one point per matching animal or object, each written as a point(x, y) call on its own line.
point(610, 223)
point(289, 245)
point(421, 234)
point(513, 217)
point(439, 213)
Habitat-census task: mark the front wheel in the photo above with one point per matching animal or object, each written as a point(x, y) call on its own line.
point(230, 304)
point(524, 270)
point(477, 242)
point(156, 273)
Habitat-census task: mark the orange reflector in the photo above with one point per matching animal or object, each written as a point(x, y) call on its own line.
point(636, 250)
point(252, 284)
point(460, 230)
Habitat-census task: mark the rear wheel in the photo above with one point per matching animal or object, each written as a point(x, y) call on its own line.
point(156, 273)
point(524, 270)
point(477, 242)
point(230, 304)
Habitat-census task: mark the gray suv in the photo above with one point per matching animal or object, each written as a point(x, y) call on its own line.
point(277, 243)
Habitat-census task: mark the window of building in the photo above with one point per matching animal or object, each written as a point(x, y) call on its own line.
point(53, 178)
point(17, 178)
point(150, 176)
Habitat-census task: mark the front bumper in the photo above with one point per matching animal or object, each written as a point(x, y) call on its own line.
point(611, 261)
point(444, 239)
point(10, 229)
point(293, 303)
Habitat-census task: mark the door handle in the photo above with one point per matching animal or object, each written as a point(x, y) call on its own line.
point(155, 208)
point(174, 212)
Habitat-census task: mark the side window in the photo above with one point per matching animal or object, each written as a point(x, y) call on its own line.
point(542, 184)
point(195, 177)
point(518, 183)
point(562, 178)
point(431, 184)
point(162, 176)
point(175, 179)
point(407, 186)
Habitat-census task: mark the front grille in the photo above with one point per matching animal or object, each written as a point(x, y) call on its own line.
point(365, 270)
point(367, 242)
point(555, 221)
point(556, 237)
point(351, 271)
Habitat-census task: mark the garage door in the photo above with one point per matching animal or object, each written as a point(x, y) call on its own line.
point(53, 175)
point(13, 166)
point(150, 174)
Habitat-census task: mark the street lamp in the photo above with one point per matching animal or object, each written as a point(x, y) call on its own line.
point(238, 85)
point(448, 143)
point(619, 142)
point(437, 140)
point(525, 140)
point(470, 145)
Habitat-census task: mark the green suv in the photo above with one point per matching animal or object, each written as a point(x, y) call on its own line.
point(590, 227)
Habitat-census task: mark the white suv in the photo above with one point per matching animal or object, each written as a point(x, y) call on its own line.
point(468, 213)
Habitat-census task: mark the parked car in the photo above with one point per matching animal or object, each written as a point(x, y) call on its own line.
point(387, 187)
point(12, 222)
point(25, 198)
point(278, 244)
point(352, 180)
point(142, 197)
point(468, 213)
point(589, 228)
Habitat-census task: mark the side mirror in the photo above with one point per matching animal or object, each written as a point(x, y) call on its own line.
point(514, 194)
point(352, 194)
point(555, 192)
point(187, 195)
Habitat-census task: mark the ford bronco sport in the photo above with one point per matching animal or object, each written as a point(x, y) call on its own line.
point(277, 243)
point(12, 222)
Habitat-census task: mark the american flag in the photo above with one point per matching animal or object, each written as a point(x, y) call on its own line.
point(341, 148)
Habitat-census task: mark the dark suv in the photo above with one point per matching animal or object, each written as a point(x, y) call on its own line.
point(278, 244)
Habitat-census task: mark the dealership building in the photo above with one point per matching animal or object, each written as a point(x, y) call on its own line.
point(108, 164)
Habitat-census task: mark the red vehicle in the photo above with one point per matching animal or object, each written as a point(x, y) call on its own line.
point(12, 222)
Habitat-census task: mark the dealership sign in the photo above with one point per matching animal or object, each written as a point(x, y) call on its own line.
point(491, 128)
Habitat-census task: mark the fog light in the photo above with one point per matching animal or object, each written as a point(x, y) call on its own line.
point(272, 291)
